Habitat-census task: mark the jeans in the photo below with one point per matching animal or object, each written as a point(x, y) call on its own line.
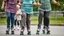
point(10, 20)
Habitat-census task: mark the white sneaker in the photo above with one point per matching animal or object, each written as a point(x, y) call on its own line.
point(18, 28)
point(14, 27)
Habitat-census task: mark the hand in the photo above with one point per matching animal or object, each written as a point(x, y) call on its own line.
point(34, 3)
point(39, 4)
point(63, 4)
point(2, 7)
point(20, 3)
point(58, 4)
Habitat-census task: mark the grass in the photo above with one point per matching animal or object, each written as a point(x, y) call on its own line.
point(2, 20)
point(34, 20)
point(57, 19)
point(53, 19)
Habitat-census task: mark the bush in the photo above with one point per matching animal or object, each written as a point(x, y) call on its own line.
point(54, 7)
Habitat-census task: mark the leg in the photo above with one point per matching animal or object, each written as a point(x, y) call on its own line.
point(8, 22)
point(46, 19)
point(28, 23)
point(15, 22)
point(18, 23)
point(39, 21)
point(12, 23)
point(23, 21)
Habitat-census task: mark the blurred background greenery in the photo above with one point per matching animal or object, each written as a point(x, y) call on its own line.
point(54, 19)
point(54, 7)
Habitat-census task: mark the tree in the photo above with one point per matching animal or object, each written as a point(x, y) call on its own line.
point(54, 7)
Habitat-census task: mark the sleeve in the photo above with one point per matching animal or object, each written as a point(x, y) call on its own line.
point(21, 1)
point(39, 1)
point(18, 1)
point(5, 0)
point(33, 1)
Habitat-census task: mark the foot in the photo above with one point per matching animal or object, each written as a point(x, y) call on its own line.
point(14, 27)
point(12, 32)
point(18, 28)
point(7, 32)
point(43, 31)
point(29, 32)
point(22, 32)
point(48, 31)
point(37, 32)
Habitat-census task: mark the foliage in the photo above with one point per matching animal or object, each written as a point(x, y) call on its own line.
point(54, 7)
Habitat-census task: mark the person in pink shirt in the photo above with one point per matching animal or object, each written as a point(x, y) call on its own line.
point(10, 10)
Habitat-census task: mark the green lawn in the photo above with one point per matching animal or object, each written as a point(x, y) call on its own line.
point(53, 19)
point(34, 20)
point(2, 20)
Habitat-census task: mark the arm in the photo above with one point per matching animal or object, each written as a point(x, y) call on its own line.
point(3, 3)
point(56, 3)
point(39, 3)
point(20, 3)
point(63, 4)
point(34, 2)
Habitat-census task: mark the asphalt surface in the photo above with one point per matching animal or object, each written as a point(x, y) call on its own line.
point(55, 31)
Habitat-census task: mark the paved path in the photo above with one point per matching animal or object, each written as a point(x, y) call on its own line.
point(55, 31)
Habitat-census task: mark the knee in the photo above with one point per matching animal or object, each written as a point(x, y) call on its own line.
point(12, 17)
point(23, 14)
point(8, 16)
point(46, 17)
point(41, 14)
point(27, 20)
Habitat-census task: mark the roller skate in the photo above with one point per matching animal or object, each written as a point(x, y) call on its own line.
point(37, 32)
point(48, 32)
point(12, 32)
point(29, 32)
point(22, 32)
point(7, 31)
point(43, 31)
